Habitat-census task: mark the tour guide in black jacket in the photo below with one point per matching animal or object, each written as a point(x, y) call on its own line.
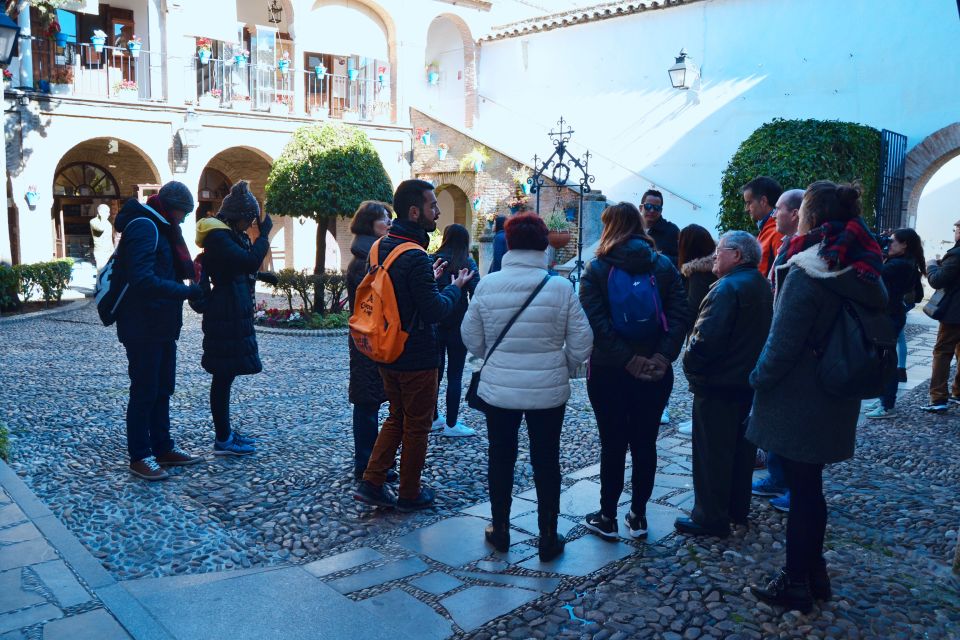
point(410, 383)
point(153, 259)
point(724, 347)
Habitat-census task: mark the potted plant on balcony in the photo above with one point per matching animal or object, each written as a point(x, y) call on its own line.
point(7, 79)
point(442, 149)
point(517, 202)
point(126, 90)
point(61, 80)
point(280, 106)
point(283, 64)
point(240, 102)
point(520, 176)
point(424, 136)
point(98, 40)
point(474, 160)
point(133, 46)
point(381, 75)
point(211, 99)
point(558, 228)
point(240, 58)
point(320, 70)
point(204, 49)
point(54, 31)
point(32, 195)
point(433, 74)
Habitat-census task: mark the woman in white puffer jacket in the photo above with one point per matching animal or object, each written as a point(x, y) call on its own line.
point(528, 374)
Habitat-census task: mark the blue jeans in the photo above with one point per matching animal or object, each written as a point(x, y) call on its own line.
point(902, 348)
point(152, 367)
point(366, 424)
point(453, 357)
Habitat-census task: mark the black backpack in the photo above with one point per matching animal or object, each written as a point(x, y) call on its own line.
point(112, 283)
point(858, 358)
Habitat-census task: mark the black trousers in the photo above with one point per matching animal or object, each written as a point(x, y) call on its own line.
point(543, 428)
point(220, 405)
point(152, 367)
point(722, 458)
point(807, 520)
point(628, 415)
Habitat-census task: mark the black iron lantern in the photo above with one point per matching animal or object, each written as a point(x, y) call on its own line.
point(276, 12)
point(682, 73)
point(9, 32)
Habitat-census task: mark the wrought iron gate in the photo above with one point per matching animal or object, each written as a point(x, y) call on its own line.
point(889, 207)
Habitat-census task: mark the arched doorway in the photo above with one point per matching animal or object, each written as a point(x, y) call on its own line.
point(214, 187)
point(454, 208)
point(931, 188)
point(451, 53)
point(98, 171)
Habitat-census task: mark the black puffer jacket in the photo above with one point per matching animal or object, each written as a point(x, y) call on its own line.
point(900, 277)
point(455, 319)
point(634, 256)
point(946, 276)
point(420, 303)
point(229, 339)
point(152, 309)
point(366, 385)
point(730, 332)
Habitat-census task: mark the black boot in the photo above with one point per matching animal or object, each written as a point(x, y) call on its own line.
point(787, 593)
point(551, 543)
point(820, 581)
point(497, 532)
point(901, 374)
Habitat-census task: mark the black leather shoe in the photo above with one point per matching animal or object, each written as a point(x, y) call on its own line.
point(820, 587)
point(691, 527)
point(783, 592)
point(551, 543)
point(498, 535)
point(901, 374)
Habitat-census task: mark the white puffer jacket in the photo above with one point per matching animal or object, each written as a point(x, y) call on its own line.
point(532, 366)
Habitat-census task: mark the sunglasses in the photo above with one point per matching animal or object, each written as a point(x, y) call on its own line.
point(652, 207)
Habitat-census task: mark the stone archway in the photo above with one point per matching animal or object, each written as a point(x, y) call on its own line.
point(454, 206)
point(922, 162)
point(469, 63)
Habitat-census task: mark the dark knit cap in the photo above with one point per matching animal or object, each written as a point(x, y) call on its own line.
point(176, 196)
point(239, 204)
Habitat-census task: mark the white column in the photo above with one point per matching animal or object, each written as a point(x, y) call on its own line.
point(26, 51)
point(156, 47)
point(299, 85)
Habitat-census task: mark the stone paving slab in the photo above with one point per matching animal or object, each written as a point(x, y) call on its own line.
point(477, 605)
point(373, 577)
point(408, 615)
point(530, 523)
point(582, 557)
point(342, 561)
point(518, 507)
point(12, 595)
point(436, 583)
point(545, 585)
point(580, 499)
point(60, 580)
point(19, 533)
point(29, 617)
point(26, 553)
point(92, 625)
point(455, 541)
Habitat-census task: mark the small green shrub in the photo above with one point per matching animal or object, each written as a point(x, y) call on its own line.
point(4, 443)
point(52, 278)
point(796, 153)
point(332, 286)
point(330, 321)
point(9, 287)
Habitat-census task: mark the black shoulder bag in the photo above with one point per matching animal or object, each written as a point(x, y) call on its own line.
point(474, 401)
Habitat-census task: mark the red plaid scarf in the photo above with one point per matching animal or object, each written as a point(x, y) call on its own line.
point(182, 262)
point(842, 245)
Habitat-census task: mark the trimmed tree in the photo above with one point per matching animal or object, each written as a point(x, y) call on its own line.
point(796, 153)
point(324, 173)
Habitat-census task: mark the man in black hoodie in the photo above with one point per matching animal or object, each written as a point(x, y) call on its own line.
point(154, 261)
point(411, 381)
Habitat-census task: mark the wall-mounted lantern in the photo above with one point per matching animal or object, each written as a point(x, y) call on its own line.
point(9, 32)
point(275, 12)
point(684, 73)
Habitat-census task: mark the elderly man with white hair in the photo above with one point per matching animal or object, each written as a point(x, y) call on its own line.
point(724, 347)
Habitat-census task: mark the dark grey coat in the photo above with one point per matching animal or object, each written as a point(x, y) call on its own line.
point(793, 416)
point(946, 275)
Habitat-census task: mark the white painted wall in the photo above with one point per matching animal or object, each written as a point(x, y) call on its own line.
point(939, 209)
point(445, 48)
point(860, 60)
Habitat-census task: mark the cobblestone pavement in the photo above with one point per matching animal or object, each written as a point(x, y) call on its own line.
point(893, 510)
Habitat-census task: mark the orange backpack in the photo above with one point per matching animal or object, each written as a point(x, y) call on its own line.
point(375, 323)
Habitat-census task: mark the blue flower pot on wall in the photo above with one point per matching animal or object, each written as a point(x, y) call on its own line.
point(98, 43)
point(442, 153)
point(32, 197)
point(61, 39)
point(134, 49)
point(353, 74)
point(320, 70)
point(284, 66)
point(240, 60)
point(203, 55)
point(425, 139)
point(433, 78)
point(478, 166)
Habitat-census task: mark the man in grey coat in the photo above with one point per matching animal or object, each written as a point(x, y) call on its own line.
point(724, 347)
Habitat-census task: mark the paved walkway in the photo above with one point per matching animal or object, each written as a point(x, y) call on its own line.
point(432, 580)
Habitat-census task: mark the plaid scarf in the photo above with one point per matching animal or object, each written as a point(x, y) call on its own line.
point(182, 262)
point(842, 245)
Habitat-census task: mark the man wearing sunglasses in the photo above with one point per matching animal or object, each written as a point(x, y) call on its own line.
point(664, 233)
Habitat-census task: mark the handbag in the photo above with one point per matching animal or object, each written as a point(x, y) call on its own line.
point(937, 305)
point(474, 401)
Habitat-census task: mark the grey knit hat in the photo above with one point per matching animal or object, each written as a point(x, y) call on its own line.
point(176, 196)
point(239, 204)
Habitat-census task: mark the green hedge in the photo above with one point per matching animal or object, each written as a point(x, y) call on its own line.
point(18, 283)
point(796, 153)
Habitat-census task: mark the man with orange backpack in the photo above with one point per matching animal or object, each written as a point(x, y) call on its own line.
point(398, 306)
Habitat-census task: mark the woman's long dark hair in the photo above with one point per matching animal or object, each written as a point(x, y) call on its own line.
point(914, 248)
point(621, 222)
point(455, 247)
point(695, 242)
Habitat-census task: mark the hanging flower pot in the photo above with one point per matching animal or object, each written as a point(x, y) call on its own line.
point(477, 203)
point(240, 60)
point(98, 41)
point(353, 74)
point(558, 239)
point(133, 46)
point(442, 151)
point(61, 39)
point(320, 70)
point(284, 66)
point(203, 55)
point(525, 188)
point(478, 165)
point(32, 196)
point(425, 138)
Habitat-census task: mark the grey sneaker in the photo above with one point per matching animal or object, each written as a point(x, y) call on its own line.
point(938, 407)
point(148, 469)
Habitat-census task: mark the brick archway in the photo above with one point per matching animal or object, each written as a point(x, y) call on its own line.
point(922, 162)
point(461, 205)
point(469, 66)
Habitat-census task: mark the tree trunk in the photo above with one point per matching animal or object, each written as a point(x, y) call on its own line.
point(320, 266)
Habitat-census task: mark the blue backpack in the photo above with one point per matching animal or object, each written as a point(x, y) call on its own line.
point(635, 305)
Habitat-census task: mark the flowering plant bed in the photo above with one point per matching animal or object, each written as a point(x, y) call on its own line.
point(287, 319)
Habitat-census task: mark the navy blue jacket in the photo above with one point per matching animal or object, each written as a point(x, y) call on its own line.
point(499, 248)
point(152, 309)
point(420, 303)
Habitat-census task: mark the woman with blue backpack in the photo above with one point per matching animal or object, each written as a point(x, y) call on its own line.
point(637, 306)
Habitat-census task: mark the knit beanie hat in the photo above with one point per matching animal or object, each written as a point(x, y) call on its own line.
point(239, 204)
point(176, 196)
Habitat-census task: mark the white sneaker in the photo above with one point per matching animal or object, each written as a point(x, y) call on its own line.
point(873, 406)
point(458, 430)
point(665, 417)
point(439, 423)
point(685, 428)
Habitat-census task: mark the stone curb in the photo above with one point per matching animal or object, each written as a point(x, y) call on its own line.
point(125, 608)
point(308, 333)
point(71, 305)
